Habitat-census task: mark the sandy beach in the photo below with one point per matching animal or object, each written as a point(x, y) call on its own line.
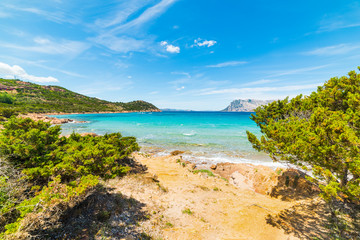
point(186, 204)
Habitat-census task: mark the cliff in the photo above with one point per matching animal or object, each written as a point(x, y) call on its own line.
point(247, 105)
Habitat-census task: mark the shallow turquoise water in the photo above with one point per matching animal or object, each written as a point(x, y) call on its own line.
point(206, 136)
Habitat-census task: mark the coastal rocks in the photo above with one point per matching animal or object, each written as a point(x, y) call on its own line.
point(52, 120)
point(287, 184)
point(213, 167)
point(176, 152)
point(191, 166)
point(89, 134)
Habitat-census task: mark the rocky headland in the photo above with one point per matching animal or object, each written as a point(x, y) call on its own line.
point(245, 105)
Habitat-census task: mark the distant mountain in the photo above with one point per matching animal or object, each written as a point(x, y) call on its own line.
point(33, 98)
point(245, 105)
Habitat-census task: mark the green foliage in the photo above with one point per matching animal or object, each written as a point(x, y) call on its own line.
point(8, 112)
point(5, 195)
point(320, 132)
point(208, 172)
point(30, 97)
point(6, 98)
point(59, 169)
point(27, 143)
point(187, 211)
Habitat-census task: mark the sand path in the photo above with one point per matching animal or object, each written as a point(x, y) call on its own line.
point(184, 205)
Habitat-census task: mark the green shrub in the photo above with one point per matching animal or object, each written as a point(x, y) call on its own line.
point(8, 112)
point(320, 132)
point(208, 172)
point(58, 169)
point(6, 98)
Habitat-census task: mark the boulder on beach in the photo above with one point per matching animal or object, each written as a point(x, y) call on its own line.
point(176, 152)
point(284, 183)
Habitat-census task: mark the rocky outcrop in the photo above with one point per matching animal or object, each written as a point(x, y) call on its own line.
point(247, 105)
point(284, 183)
point(52, 120)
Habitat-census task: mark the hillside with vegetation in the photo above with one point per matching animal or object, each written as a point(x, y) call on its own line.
point(19, 96)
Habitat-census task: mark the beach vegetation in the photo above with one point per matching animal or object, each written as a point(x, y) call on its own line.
point(187, 211)
point(208, 172)
point(319, 133)
point(55, 171)
point(26, 97)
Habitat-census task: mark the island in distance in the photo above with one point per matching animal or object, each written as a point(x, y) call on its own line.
point(245, 105)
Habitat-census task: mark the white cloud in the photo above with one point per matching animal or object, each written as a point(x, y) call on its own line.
point(260, 89)
point(43, 45)
point(333, 50)
point(180, 88)
point(227, 64)
point(8, 71)
point(170, 48)
point(203, 43)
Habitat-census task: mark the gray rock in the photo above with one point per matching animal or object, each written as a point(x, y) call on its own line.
point(247, 105)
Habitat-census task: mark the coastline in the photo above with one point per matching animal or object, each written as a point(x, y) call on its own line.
point(54, 120)
point(104, 112)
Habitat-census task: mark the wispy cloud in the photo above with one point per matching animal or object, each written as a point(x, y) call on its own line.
point(4, 14)
point(101, 87)
point(118, 34)
point(182, 73)
point(41, 65)
point(259, 89)
point(333, 50)
point(332, 25)
point(123, 44)
point(43, 45)
point(349, 19)
point(227, 64)
point(259, 82)
point(58, 17)
point(149, 14)
point(296, 71)
point(8, 71)
point(122, 13)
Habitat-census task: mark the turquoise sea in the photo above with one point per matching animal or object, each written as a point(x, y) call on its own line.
point(210, 137)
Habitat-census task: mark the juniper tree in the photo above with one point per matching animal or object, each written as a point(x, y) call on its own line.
point(320, 132)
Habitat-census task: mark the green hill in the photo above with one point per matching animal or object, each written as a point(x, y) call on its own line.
point(33, 98)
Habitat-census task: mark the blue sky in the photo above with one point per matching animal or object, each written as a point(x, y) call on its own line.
point(181, 54)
